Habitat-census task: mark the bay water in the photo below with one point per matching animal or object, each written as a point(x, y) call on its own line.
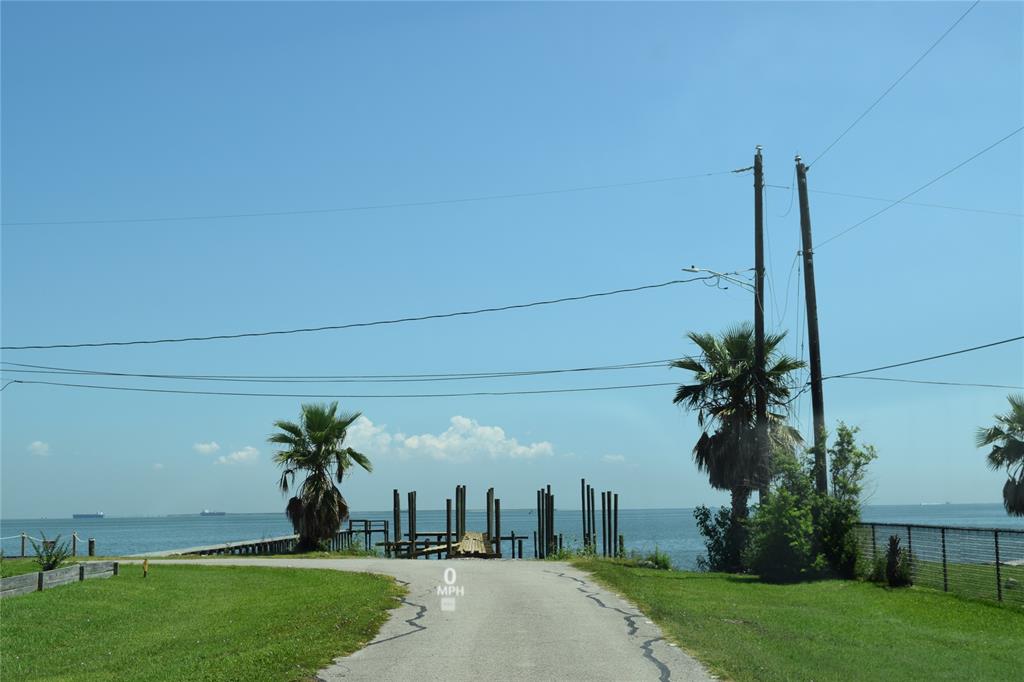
point(672, 531)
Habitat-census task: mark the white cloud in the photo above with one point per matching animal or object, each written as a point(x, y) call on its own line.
point(158, 466)
point(246, 454)
point(613, 459)
point(463, 440)
point(39, 448)
point(206, 448)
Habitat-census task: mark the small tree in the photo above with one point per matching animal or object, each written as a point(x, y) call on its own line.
point(314, 447)
point(1007, 441)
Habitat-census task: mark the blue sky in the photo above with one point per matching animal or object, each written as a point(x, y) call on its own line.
point(127, 110)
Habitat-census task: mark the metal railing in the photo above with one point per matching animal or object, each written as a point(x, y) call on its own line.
point(984, 563)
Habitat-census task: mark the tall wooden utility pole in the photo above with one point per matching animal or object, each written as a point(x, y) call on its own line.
point(760, 396)
point(817, 397)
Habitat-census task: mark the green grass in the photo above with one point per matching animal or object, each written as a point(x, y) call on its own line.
point(11, 567)
point(192, 623)
point(744, 629)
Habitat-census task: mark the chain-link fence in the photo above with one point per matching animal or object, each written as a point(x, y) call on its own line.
point(985, 563)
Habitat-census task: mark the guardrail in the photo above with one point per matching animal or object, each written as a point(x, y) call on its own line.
point(984, 563)
point(45, 580)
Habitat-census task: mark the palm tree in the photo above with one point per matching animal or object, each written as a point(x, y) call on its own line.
point(723, 397)
point(1007, 441)
point(314, 447)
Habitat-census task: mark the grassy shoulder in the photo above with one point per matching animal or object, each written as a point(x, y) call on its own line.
point(744, 629)
point(193, 622)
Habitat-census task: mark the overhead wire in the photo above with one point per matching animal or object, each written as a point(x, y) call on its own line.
point(365, 207)
point(349, 396)
point(352, 378)
point(925, 359)
point(922, 187)
point(1013, 214)
point(894, 83)
point(935, 383)
point(355, 325)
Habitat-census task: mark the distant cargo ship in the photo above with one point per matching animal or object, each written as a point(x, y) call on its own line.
point(97, 515)
point(207, 512)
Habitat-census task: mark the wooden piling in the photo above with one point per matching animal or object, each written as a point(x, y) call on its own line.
point(74, 543)
point(489, 503)
point(497, 523)
point(448, 524)
point(622, 546)
point(535, 554)
point(593, 520)
point(22, 544)
point(604, 524)
point(92, 546)
point(520, 548)
point(411, 502)
point(551, 523)
point(397, 509)
point(583, 509)
point(539, 537)
point(615, 523)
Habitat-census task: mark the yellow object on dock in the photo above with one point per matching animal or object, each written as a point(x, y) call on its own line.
point(473, 544)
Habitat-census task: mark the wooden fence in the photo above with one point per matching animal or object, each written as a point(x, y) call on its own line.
point(45, 580)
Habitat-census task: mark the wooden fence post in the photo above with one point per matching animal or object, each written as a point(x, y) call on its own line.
point(23, 545)
point(92, 546)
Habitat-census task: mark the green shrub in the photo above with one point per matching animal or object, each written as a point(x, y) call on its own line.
point(724, 540)
point(797, 533)
point(659, 560)
point(52, 553)
point(783, 546)
point(876, 570)
point(897, 564)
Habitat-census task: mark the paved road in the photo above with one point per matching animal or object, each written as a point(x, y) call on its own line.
point(511, 620)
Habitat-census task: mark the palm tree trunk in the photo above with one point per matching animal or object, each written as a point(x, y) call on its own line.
point(740, 496)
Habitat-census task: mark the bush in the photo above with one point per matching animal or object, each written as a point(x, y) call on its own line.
point(783, 546)
point(897, 564)
point(797, 533)
point(724, 540)
point(52, 554)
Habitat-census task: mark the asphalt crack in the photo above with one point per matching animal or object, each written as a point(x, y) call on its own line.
point(421, 611)
point(630, 618)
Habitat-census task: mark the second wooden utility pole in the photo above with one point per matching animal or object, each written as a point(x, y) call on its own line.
point(760, 395)
point(817, 397)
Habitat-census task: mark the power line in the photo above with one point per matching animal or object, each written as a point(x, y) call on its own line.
point(925, 185)
point(936, 383)
point(355, 378)
point(354, 325)
point(1013, 214)
point(361, 396)
point(366, 207)
point(894, 84)
point(930, 357)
